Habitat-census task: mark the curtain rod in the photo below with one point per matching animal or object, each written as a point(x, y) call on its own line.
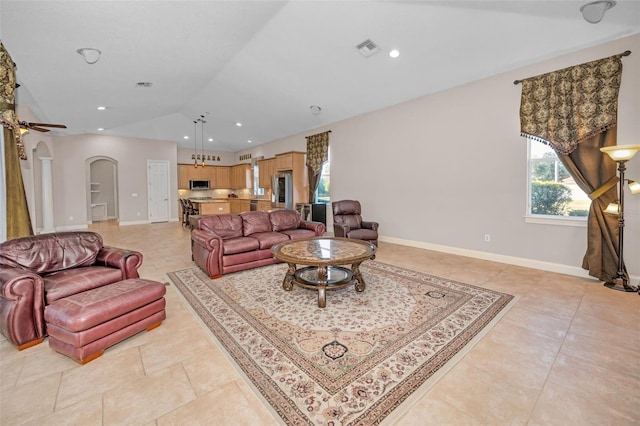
point(625, 53)
point(328, 131)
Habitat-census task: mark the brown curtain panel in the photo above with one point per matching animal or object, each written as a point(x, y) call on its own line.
point(317, 155)
point(17, 214)
point(595, 174)
point(575, 111)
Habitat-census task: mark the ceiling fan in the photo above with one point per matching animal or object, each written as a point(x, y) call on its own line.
point(40, 127)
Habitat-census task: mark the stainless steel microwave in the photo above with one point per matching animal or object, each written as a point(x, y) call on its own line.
point(198, 184)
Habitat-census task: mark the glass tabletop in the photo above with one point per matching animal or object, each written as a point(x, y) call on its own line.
point(323, 250)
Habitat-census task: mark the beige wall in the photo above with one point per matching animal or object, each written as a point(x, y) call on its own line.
point(440, 171)
point(443, 170)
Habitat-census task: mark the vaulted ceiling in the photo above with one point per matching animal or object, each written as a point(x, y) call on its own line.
point(265, 63)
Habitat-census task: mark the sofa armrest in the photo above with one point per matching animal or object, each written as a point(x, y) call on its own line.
point(207, 251)
point(21, 306)
point(128, 261)
point(370, 225)
point(317, 227)
point(340, 230)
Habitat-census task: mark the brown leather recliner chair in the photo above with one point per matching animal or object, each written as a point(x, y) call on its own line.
point(348, 223)
point(36, 271)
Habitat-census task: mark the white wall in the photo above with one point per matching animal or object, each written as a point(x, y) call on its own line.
point(70, 177)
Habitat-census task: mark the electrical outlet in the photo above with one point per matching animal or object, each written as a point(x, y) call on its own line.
point(487, 238)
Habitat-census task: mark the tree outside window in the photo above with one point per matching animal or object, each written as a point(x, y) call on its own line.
point(552, 190)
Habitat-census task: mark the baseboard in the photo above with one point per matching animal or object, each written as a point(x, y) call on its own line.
point(135, 222)
point(510, 260)
point(71, 228)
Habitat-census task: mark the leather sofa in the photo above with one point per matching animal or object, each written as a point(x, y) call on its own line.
point(36, 271)
point(234, 242)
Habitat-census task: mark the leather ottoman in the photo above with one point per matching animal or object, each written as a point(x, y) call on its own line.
point(83, 325)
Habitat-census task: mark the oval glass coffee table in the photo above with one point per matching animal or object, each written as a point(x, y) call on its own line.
point(324, 261)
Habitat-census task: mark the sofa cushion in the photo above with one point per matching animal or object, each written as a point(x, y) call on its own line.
point(268, 239)
point(255, 221)
point(72, 281)
point(47, 253)
point(282, 220)
point(239, 245)
point(363, 234)
point(295, 234)
point(224, 225)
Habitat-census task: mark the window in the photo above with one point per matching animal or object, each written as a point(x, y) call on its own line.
point(322, 193)
point(552, 191)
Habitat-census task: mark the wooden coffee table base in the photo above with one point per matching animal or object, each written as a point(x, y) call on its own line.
point(323, 278)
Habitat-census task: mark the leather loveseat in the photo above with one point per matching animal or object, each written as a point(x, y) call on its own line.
point(234, 242)
point(36, 271)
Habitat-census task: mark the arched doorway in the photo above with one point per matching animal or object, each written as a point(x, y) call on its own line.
point(102, 189)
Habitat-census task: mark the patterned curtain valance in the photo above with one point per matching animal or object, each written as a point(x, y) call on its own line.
point(565, 107)
point(317, 151)
point(7, 97)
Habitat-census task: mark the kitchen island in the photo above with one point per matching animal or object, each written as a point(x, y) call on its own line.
point(212, 206)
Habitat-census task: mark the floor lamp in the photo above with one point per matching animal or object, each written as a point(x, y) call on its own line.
point(621, 154)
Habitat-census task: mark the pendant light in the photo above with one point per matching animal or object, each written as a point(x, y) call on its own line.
point(195, 147)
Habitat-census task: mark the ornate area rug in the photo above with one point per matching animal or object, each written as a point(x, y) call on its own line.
point(353, 362)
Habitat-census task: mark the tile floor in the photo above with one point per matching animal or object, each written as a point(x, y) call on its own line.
point(567, 353)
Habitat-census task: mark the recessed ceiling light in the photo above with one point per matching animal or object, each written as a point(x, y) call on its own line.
point(249, 141)
point(315, 109)
point(239, 124)
point(144, 84)
point(186, 137)
point(102, 108)
point(210, 139)
point(394, 53)
point(100, 129)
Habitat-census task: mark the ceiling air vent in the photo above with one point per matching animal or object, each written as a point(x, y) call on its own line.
point(368, 48)
point(144, 84)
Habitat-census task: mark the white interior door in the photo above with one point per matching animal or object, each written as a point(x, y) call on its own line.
point(158, 185)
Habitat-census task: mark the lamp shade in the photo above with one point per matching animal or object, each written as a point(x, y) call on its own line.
point(613, 209)
point(634, 186)
point(621, 152)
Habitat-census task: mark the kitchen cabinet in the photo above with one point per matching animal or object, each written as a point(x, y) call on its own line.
point(212, 207)
point(241, 176)
point(284, 162)
point(266, 169)
point(223, 177)
point(239, 205)
point(184, 175)
point(264, 205)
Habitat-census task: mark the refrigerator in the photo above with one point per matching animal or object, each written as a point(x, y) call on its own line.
point(282, 190)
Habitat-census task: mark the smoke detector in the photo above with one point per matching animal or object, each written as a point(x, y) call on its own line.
point(368, 48)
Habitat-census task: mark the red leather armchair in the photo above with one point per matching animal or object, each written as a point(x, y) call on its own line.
point(348, 223)
point(35, 271)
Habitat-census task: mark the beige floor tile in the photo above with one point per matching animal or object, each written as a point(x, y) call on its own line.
point(627, 336)
point(85, 413)
point(507, 365)
point(484, 397)
point(152, 396)
point(616, 359)
point(44, 363)
point(209, 370)
point(160, 354)
point(594, 382)
point(559, 405)
point(98, 376)
point(547, 325)
point(432, 411)
point(30, 401)
point(225, 406)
